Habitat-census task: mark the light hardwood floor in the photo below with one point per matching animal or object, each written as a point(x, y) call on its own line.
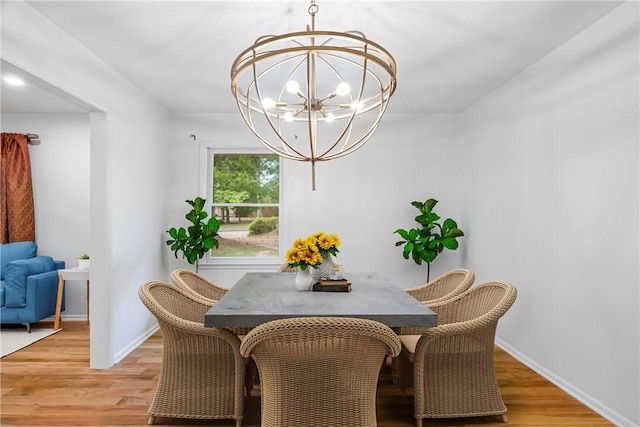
point(50, 384)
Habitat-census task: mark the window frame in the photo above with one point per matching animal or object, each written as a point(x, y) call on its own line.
point(207, 152)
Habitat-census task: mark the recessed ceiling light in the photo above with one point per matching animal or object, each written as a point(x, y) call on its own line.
point(13, 80)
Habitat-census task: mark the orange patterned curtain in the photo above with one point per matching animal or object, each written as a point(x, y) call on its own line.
point(17, 220)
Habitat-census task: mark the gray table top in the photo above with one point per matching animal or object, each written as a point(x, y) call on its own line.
point(261, 297)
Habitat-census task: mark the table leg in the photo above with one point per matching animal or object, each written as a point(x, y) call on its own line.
point(56, 321)
point(87, 302)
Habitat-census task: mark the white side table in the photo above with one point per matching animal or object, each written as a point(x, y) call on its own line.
point(69, 274)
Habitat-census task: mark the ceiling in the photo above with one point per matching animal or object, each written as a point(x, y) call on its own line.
point(35, 95)
point(449, 53)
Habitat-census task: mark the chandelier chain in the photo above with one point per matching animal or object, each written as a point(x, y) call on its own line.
point(313, 9)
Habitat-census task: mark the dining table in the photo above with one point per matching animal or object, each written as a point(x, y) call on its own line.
point(262, 297)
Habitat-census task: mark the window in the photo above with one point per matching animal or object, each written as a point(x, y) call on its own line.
point(246, 200)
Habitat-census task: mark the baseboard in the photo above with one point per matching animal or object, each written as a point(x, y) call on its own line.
point(67, 317)
point(135, 343)
point(569, 388)
point(70, 317)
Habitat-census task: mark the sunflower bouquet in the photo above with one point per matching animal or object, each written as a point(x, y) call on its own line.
point(309, 252)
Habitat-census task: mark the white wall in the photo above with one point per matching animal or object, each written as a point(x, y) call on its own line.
point(128, 175)
point(362, 197)
point(60, 177)
point(366, 196)
point(553, 208)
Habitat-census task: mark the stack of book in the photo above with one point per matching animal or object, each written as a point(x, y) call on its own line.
point(336, 285)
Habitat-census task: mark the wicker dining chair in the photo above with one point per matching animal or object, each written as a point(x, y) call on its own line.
point(194, 282)
point(319, 370)
point(199, 286)
point(442, 288)
point(451, 366)
point(445, 287)
point(202, 371)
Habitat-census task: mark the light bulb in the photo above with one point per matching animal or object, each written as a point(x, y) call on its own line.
point(268, 103)
point(288, 116)
point(342, 89)
point(293, 87)
point(356, 105)
point(329, 118)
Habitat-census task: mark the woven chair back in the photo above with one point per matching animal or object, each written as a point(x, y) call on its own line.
point(168, 303)
point(319, 371)
point(194, 282)
point(489, 300)
point(444, 287)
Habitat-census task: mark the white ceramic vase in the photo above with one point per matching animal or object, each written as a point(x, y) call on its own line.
point(304, 281)
point(324, 270)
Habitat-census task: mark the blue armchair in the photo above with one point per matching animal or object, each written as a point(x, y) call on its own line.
point(28, 284)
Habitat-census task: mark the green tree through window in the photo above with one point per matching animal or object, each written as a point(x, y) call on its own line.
point(246, 198)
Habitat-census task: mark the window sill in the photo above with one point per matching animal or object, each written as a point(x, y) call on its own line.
point(249, 264)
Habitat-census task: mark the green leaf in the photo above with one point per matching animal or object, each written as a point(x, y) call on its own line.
point(198, 204)
point(450, 243)
point(208, 243)
point(407, 250)
point(213, 224)
point(454, 232)
point(430, 256)
point(403, 233)
point(432, 217)
point(417, 258)
point(422, 220)
point(448, 224)
point(192, 257)
point(413, 234)
point(192, 217)
point(430, 204)
point(420, 252)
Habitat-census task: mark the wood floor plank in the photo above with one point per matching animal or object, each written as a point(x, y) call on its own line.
point(49, 383)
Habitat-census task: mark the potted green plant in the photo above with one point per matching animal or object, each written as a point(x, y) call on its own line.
point(426, 242)
point(197, 239)
point(83, 262)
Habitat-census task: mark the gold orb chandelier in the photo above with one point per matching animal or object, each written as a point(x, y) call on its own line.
point(312, 95)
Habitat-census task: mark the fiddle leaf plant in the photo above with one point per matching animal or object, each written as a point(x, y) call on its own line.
point(425, 243)
point(197, 239)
